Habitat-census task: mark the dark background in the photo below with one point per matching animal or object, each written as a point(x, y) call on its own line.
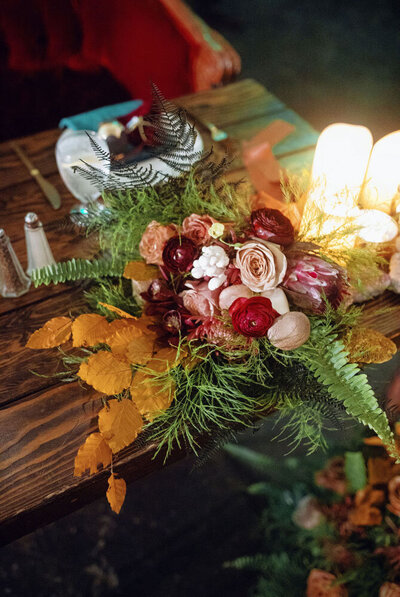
point(329, 60)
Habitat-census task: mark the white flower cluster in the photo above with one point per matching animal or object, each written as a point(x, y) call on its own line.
point(212, 262)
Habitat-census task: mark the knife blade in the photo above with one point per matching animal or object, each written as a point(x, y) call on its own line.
point(49, 190)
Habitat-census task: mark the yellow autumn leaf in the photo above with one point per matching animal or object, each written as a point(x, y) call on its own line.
point(150, 396)
point(106, 373)
point(119, 312)
point(140, 271)
point(165, 359)
point(119, 423)
point(140, 350)
point(369, 346)
point(116, 493)
point(122, 338)
point(56, 331)
point(89, 329)
point(91, 454)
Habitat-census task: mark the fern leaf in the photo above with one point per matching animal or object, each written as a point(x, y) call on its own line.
point(77, 269)
point(328, 360)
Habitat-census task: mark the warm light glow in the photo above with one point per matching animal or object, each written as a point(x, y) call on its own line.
point(383, 174)
point(340, 162)
point(376, 226)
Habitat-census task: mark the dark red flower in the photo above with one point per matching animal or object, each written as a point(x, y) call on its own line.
point(178, 254)
point(252, 316)
point(272, 225)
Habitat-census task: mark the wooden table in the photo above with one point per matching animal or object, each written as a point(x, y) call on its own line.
point(42, 423)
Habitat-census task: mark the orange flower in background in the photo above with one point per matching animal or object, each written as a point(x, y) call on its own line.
point(366, 511)
point(394, 495)
point(389, 589)
point(381, 470)
point(319, 584)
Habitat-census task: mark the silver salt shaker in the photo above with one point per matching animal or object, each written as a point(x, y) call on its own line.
point(13, 281)
point(38, 249)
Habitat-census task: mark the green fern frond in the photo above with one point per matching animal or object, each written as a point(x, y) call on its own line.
point(328, 359)
point(78, 269)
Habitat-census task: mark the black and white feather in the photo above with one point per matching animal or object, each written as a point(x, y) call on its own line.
point(173, 143)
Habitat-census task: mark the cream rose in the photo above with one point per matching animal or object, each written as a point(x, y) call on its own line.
point(153, 240)
point(262, 265)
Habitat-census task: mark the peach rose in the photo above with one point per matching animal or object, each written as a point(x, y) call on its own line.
point(319, 584)
point(200, 300)
point(394, 495)
point(262, 265)
point(389, 589)
point(196, 228)
point(153, 240)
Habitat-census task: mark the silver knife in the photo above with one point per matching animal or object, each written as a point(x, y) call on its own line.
point(48, 189)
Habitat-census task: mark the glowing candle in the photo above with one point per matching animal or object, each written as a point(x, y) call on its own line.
point(340, 162)
point(383, 175)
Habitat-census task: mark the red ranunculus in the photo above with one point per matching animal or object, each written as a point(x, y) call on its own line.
point(178, 254)
point(252, 316)
point(272, 225)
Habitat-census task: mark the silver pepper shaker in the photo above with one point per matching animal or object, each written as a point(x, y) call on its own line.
point(13, 281)
point(39, 252)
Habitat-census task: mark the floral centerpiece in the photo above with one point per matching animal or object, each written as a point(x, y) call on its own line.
point(209, 310)
point(339, 527)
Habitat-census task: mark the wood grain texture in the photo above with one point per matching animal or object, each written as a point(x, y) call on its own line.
point(42, 425)
point(17, 361)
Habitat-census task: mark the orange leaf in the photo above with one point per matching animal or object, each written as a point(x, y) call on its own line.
point(93, 452)
point(373, 441)
point(116, 493)
point(56, 331)
point(165, 359)
point(121, 339)
point(140, 271)
point(149, 396)
point(89, 329)
point(140, 350)
point(106, 373)
point(119, 312)
point(119, 423)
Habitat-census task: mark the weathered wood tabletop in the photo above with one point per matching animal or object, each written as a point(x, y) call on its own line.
point(43, 422)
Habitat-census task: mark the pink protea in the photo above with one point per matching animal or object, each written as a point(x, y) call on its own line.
point(216, 332)
point(309, 279)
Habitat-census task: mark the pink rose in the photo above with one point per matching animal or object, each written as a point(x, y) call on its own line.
point(196, 228)
point(262, 265)
point(307, 514)
point(153, 240)
point(389, 589)
point(230, 294)
point(319, 584)
point(199, 299)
